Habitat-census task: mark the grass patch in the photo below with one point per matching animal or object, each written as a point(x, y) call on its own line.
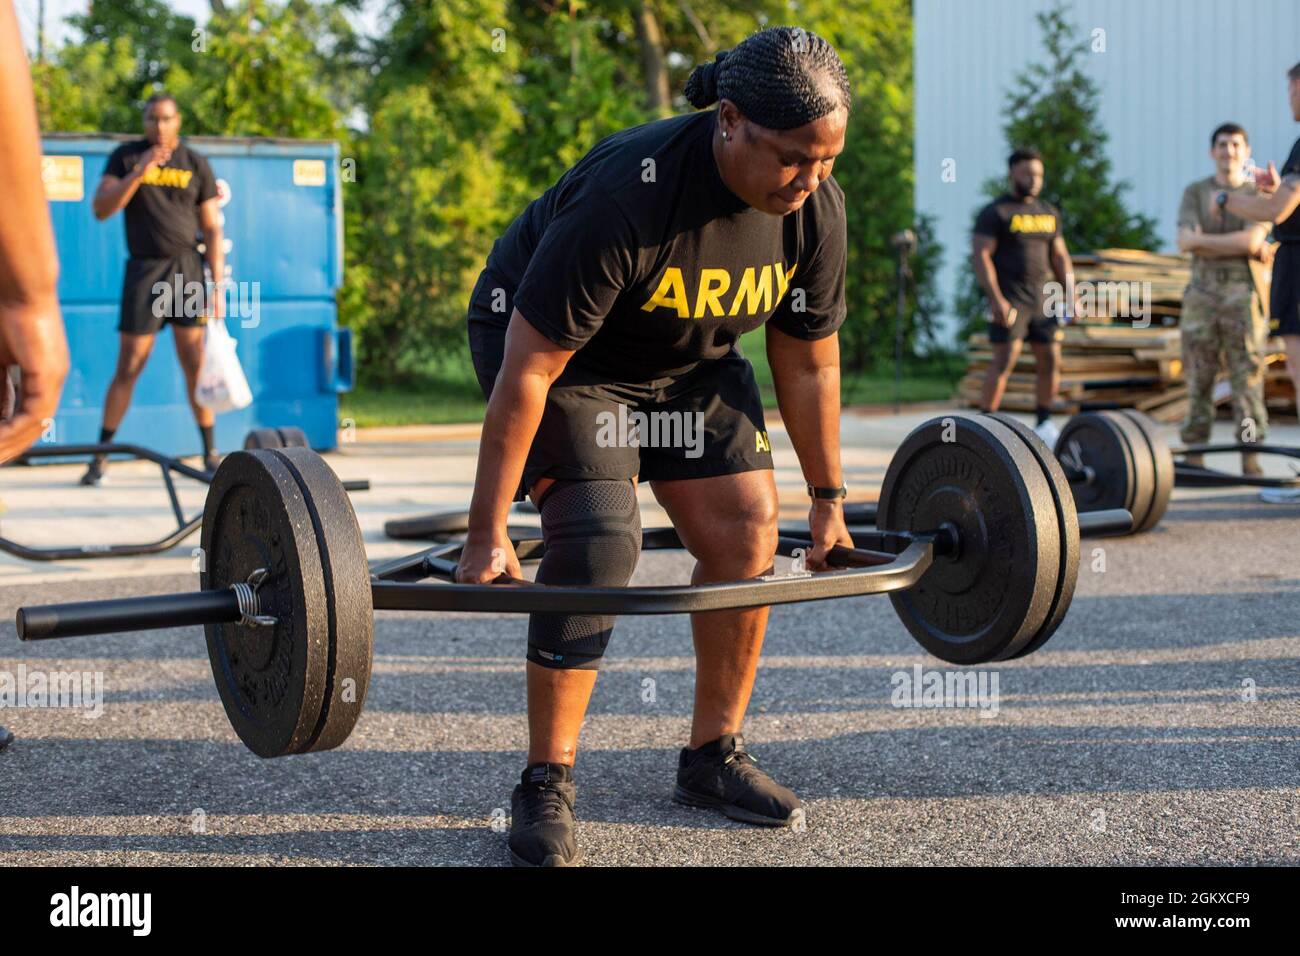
point(452, 394)
point(448, 394)
point(930, 381)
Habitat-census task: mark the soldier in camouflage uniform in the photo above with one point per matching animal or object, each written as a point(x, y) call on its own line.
point(1222, 314)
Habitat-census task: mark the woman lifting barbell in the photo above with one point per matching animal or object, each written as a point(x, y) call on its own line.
point(618, 297)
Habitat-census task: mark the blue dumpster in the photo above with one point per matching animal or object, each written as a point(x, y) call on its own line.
point(283, 224)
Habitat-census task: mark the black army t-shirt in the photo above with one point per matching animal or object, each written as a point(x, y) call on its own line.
point(162, 218)
point(642, 260)
point(1024, 232)
point(1288, 230)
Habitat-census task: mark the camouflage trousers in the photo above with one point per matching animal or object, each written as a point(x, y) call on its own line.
point(1224, 322)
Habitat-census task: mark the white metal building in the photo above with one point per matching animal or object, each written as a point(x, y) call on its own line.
point(1171, 71)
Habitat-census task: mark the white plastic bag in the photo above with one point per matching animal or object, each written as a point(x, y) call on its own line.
point(222, 385)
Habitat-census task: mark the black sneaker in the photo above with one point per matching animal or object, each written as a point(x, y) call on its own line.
point(723, 775)
point(94, 474)
point(6, 737)
point(210, 462)
point(541, 817)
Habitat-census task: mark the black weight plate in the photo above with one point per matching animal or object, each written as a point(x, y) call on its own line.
point(860, 513)
point(420, 528)
point(272, 680)
point(263, 438)
point(444, 525)
point(1163, 461)
point(430, 527)
point(1144, 467)
point(291, 436)
point(1096, 442)
point(1067, 522)
point(991, 598)
point(347, 589)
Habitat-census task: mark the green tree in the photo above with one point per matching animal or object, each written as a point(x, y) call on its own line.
point(576, 90)
point(264, 69)
point(436, 183)
point(874, 40)
point(464, 110)
point(159, 38)
point(71, 85)
point(1054, 107)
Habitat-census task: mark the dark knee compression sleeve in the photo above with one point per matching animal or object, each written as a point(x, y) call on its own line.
point(592, 531)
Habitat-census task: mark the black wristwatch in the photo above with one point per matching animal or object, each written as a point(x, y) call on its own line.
point(827, 493)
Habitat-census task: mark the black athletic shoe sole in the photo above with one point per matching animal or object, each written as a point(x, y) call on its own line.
point(553, 860)
point(701, 801)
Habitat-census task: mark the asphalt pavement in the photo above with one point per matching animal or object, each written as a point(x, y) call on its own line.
point(1161, 724)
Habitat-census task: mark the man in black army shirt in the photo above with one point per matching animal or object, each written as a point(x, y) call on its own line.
point(169, 194)
point(1016, 249)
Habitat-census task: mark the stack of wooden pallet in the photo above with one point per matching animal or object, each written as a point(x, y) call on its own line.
point(1102, 366)
point(1107, 362)
point(1279, 390)
point(1115, 277)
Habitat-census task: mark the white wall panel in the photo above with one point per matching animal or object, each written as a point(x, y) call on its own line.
point(1172, 71)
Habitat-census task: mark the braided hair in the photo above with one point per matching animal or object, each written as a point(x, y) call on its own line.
point(776, 77)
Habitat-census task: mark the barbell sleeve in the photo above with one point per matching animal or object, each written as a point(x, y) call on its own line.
point(1099, 524)
point(128, 614)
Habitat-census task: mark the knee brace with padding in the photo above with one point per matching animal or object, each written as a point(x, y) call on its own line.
point(592, 531)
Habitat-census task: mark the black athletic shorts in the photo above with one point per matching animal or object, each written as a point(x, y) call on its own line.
point(1029, 324)
point(703, 422)
point(147, 305)
point(1284, 299)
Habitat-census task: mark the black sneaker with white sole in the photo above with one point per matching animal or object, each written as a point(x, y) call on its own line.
point(541, 817)
point(94, 474)
point(722, 775)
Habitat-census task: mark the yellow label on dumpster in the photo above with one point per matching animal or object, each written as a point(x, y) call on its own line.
point(63, 178)
point(309, 172)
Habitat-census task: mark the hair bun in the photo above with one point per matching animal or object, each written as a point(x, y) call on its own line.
point(702, 85)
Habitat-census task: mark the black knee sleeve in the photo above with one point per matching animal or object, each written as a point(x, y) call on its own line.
point(592, 531)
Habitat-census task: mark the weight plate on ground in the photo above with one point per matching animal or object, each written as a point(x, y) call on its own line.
point(347, 586)
point(430, 527)
point(263, 438)
point(989, 599)
point(291, 436)
point(1163, 461)
point(277, 683)
point(1067, 522)
point(444, 525)
point(1095, 441)
point(1144, 467)
point(860, 513)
